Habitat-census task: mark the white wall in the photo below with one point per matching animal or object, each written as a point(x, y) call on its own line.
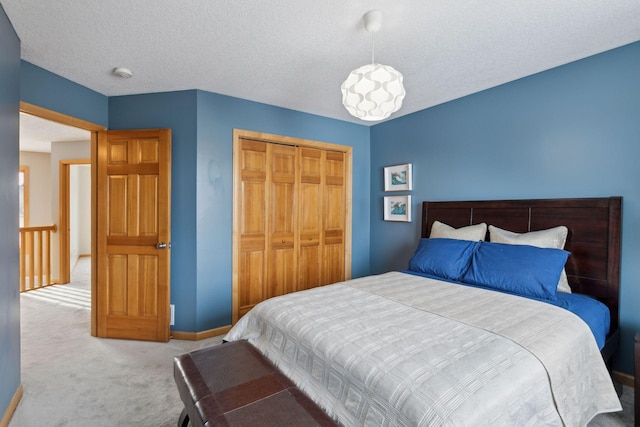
point(39, 187)
point(84, 210)
point(80, 150)
point(73, 216)
point(79, 212)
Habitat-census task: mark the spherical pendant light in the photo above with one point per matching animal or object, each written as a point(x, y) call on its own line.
point(374, 91)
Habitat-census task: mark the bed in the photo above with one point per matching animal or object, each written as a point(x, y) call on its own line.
point(418, 348)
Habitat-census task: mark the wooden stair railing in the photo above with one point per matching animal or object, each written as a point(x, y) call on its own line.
point(35, 257)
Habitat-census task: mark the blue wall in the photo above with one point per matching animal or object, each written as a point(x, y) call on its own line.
point(573, 131)
point(177, 111)
point(45, 89)
point(202, 126)
point(569, 132)
point(9, 262)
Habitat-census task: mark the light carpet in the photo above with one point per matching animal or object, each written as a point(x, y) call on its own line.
point(70, 378)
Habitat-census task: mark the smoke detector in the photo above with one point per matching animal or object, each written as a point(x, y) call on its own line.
point(123, 73)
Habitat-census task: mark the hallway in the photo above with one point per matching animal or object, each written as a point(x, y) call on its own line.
point(76, 294)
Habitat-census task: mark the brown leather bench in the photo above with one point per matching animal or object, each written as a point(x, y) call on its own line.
point(232, 384)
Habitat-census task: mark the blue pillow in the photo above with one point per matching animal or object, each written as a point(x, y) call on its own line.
point(444, 258)
point(519, 269)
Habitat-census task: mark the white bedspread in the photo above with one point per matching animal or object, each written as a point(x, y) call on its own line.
point(402, 350)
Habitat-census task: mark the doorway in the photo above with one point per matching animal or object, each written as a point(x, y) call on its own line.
point(75, 214)
point(57, 210)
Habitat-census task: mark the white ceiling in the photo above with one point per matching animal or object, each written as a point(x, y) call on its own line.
point(37, 134)
point(296, 53)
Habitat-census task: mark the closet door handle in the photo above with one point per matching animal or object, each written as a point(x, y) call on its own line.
point(162, 245)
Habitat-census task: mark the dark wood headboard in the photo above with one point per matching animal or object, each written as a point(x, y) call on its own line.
point(593, 268)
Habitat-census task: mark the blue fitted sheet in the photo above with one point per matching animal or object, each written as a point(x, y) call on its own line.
point(593, 312)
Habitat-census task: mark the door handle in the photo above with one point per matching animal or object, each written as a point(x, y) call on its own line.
point(163, 245)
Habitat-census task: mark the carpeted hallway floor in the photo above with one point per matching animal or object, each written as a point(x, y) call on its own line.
point(72, 379)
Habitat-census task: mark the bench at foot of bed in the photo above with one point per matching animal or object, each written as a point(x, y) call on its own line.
point(232, 384)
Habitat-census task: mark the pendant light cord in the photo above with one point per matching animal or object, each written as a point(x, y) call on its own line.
point(373, 47)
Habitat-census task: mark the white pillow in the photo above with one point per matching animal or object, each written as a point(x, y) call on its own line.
point(550, 238)
point(474, 233)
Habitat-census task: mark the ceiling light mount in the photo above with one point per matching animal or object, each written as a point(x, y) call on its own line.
point(123, 73)
point(374, 91)
point(373, 21)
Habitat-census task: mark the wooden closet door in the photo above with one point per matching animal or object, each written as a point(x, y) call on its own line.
point(252, 224)
point(282, 205)
point(292, 218)
point(333, 207)
point(310, 217)
point(322, 217)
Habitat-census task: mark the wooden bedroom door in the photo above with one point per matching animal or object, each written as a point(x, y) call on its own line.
point(133, 224)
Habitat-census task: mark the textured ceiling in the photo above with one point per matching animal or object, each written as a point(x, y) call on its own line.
point(296, 53)
point(37, 134)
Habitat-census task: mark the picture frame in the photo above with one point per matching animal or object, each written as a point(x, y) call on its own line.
point(397, 208)
point(398, 178)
